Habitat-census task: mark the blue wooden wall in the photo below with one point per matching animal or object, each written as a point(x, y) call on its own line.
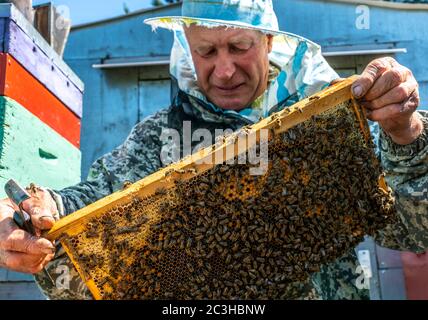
point(334, 24)
point(111, 97)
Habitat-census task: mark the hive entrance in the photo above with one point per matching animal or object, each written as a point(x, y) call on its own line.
point(223, 234)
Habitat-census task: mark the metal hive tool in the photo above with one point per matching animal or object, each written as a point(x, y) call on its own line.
point(201, 231)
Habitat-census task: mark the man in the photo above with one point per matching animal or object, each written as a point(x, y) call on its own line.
point(231, 66)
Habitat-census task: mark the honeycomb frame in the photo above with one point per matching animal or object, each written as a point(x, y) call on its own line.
point(82, 226)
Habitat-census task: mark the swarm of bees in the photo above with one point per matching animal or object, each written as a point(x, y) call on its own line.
point(224, 234)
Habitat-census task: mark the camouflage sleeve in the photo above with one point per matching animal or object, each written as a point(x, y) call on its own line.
point(137, 157)
point(406, 170)
point(340, 280)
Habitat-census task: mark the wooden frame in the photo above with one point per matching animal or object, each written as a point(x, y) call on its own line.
point(45, 17)
point(75, 224)
point(299, 113)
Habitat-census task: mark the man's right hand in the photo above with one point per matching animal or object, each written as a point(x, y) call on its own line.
point(20, 251)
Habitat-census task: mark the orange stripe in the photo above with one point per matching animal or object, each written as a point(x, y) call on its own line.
point(19, 85)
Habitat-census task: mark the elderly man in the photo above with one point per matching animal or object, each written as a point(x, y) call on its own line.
point(230, 67)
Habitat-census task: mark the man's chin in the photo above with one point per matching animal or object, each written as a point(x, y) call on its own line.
point(231, 105)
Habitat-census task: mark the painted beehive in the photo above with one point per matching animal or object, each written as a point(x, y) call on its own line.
point(31, 151)
point(21, 40)
point(32, 74)
point(18, 84)
point(40, 115)
point(204, 230)
point(41, 108)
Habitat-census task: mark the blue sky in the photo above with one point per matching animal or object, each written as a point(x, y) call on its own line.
point(82, 11)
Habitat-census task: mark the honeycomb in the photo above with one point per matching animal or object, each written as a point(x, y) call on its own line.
point(221, 233)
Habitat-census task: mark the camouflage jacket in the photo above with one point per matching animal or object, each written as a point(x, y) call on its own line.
point(139, 156)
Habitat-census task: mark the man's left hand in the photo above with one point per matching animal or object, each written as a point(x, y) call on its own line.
point(389, 93)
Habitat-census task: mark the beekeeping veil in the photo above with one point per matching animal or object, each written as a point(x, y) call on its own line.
point(302, 70)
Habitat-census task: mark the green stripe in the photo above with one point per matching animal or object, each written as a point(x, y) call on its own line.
point(30, 151)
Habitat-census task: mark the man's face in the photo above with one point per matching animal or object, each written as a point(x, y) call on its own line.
point(232, 65)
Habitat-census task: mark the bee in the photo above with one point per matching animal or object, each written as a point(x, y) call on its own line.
point(33, 189)
point(193, 171)
point(169, 173)
point(162, 191)
point(127, 229)
point(126, 184)
point(92, 233)
point(224, 168)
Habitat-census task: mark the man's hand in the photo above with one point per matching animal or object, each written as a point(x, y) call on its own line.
point(389, 93)
point(20, 251)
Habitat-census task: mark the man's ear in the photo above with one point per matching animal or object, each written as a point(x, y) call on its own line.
point(270, 42)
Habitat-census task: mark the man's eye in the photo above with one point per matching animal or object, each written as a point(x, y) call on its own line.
point(206, 52)
point(237, 50)
point(240, 48)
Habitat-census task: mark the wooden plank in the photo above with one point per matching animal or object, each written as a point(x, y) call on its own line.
point(301, 111)
point(20, 291)
point(19, 277)
point(52, 26)
point(153, 96)
point(43, 21)
point(9, 11)
point(3, 275)
point(21, 86)
point(32, 152)
point(25, 7)
point(22, 48)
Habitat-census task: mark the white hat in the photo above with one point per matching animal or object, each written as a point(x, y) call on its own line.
point(247, 14)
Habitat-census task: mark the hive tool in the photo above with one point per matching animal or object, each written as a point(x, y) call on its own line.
point(22, 219)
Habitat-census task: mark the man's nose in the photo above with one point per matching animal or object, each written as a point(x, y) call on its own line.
point(224, 67)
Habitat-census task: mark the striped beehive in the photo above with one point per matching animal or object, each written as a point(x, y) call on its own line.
point(40, 114)
point(41, 107)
